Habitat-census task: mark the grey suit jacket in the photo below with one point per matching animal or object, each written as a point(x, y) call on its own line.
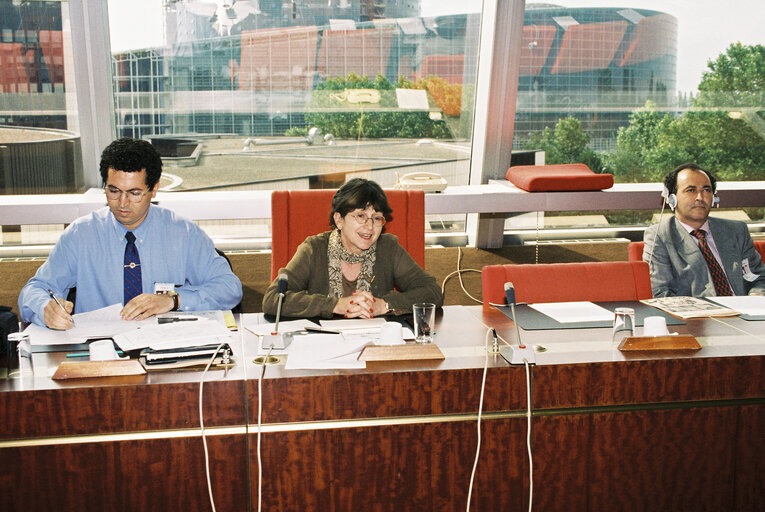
point(678, 268)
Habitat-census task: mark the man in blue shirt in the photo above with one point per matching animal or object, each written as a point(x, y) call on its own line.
point(174, 255)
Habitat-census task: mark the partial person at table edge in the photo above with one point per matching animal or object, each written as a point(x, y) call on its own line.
point(130, 252)
point(693, 254)
point(355, 270)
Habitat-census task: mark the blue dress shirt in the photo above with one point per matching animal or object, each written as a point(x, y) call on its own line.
point(89, 255)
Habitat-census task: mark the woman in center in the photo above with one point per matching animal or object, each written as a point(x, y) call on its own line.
point(355, 270)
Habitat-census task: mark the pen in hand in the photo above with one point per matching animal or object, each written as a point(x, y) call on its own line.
point(53, 296)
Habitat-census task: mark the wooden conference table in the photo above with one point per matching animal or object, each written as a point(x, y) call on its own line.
point(670, 432)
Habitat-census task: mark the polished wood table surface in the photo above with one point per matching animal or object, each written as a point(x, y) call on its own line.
point(679, 431)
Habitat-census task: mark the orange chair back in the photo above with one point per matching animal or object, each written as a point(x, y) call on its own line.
point(635, 251)
point(759, 246)
point(297, 214)
point(601, 281)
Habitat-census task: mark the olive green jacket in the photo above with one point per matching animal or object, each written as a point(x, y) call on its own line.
point(398, 280)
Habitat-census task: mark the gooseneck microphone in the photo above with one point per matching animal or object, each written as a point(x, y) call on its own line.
point(281, 290)
point(510, 297)
point(276, 340)
point(519, 354)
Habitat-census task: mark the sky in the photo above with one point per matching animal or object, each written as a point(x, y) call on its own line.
point(705, 27)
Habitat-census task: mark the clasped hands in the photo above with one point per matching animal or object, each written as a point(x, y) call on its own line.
point(139, 308)
point(360, 305)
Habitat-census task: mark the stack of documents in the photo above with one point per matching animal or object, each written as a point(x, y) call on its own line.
point(191, 330)
point(334, 344)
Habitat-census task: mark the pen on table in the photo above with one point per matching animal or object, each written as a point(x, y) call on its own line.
point(53, 296)
point(171, 319)
point(320, 330)
point(86, 354)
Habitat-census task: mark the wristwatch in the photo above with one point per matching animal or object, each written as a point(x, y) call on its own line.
point(387, 308)
point(176, 300)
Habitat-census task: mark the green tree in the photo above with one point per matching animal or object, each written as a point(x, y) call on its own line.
point(566, 144)
point(348, 124)
point(629, 162)
point(724, 132)
point(735, 78)
point(728, 147)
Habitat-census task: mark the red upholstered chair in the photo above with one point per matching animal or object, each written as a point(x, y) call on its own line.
point(297, 214)
point(759, 246)
point(635, 251)
point(601, 281)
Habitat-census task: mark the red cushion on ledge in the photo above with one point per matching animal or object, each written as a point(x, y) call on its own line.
point(561, 177)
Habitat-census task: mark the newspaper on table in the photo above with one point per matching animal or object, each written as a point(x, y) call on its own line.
point(689, 307)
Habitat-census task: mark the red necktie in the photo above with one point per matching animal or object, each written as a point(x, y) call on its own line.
point(722, 287)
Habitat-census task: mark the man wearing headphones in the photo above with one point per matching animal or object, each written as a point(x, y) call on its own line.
point(691, 254)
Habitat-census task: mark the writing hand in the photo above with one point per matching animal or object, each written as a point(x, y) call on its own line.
point(55, 318)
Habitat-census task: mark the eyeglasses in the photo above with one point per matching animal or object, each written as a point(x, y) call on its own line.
point(378, 221)
point(133, 196)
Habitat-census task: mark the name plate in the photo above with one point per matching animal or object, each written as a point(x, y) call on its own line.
point(652, 343)
point(408, 352)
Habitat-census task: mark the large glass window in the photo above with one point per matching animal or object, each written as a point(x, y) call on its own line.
point(261, 94)
point(251, 95)
point(39, 134)
point(636, 89)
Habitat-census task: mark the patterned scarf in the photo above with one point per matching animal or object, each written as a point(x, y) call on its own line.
point(337, 253)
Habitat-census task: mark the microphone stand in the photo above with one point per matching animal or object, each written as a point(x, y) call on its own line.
point(275, 340)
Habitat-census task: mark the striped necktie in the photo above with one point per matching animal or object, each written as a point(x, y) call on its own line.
point(132, 266)
point(719, 279)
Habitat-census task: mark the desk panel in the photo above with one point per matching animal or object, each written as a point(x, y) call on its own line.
point(74, 409)
point(401, 467)
point(656, 432)
point(151, 475)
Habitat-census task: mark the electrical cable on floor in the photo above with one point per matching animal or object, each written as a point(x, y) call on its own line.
point(202, 425)
point(459, 274)
point(528, 434)
point(480, 408)
point(260, 422)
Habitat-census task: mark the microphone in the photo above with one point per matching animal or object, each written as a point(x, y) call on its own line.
point(510, 293)
point(519, 354)
point(510, 297)
point(281, 290)
point(282, 284)
point(276, 340)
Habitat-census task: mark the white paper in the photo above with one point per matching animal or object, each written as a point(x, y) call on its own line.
point(746, 304)
point(104, 322)
point(173, 335)
point(373, 335)
point(303, 362)
point(289, 326)
point(352, 323)
point(322, 351)
point(574, 312)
